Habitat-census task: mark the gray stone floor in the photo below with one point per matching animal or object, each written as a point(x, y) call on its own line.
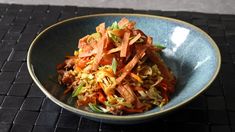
point(207, 6)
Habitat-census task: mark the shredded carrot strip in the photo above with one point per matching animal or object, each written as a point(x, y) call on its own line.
point(124, 21)
point(149, 40)
point(114, 50)
point(131, 64)
point(101, 28)
point(133, 75)
point(135, 39)
point(67, 90)
point(126, 93)
point(124, 46)
point(87, 54)
point(82, 41)
point(131, 25)
point(99, 54)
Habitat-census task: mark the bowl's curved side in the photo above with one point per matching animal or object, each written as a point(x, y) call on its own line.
point(46, 41)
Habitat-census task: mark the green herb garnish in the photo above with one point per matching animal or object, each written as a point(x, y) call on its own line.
point(114, 26)
point(160, 46)
point(97, 109)
point(114, 65)
point(78, 89)
point(115, 38)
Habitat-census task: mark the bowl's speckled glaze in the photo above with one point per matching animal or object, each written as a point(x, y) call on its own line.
point(191, 54)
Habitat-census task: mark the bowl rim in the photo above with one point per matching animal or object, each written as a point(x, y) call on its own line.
point(123, 117)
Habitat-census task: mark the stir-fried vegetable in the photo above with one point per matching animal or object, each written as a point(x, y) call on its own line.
point(114, 65)
point(117, 70)
point(97, 109)
point(160, 46)
point(78, 89)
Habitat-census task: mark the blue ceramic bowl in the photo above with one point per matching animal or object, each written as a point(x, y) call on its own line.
point(191, 54)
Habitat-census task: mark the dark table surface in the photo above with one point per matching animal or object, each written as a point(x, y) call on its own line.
point(24, 108)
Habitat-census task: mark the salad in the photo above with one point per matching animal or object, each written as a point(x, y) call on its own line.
point(117, 70)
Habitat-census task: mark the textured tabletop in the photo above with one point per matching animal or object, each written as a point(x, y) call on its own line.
point(24, 108)
point(206, 6)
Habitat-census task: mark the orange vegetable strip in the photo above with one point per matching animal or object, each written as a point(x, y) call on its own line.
point(82, 41)
point(126, 93)
point(93, 44)
point(149, 41)
point(101, 97)
point(68, 90)
point(82, 62)
point(99, 54)
point(143, 55)
point(132, 63)
point(138, 88)
point(123, 22)
point(107, 43)
point(113, 50)
point(101, 28)
point(124, 46)
point(84, 54)
point(136, 77)
point(135, 39)
point(131, 25)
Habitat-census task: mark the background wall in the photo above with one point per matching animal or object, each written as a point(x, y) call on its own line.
point(208, 6)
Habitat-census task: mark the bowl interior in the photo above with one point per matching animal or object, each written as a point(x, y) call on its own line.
point(190, 53)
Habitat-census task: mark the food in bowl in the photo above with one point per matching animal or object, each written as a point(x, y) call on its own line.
point(117, 70)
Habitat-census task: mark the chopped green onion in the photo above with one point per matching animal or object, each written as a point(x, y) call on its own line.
point(114, 65)
point(115, 38)
point(71, 100)
point(78, 89)
point(103, 109)
point(97, 109)
point(108, 104)
point(114, 26)
point(160, 46)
